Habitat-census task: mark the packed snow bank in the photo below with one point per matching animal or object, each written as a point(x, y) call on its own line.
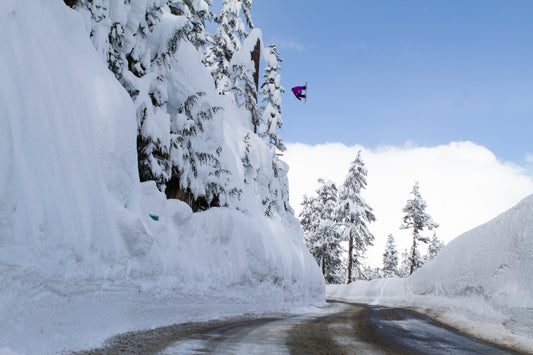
point(80, 257)
point(493, 261)
point(481, 282)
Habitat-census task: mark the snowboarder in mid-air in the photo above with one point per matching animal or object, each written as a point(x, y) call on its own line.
point(298, 91)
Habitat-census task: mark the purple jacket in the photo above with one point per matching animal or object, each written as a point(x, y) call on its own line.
point(297, 91)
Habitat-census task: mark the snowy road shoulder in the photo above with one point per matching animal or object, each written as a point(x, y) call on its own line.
point(188, 335)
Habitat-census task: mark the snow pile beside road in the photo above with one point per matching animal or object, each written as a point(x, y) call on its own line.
point(493, 261)
point(481, 282)
point(80, 257)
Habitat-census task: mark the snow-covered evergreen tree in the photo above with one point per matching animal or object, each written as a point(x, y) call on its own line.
point(405, 265)
point(226, 41)
point(390, 258)
point(246, 10)
point(271, 91)
point(197, 14)
point(249, 171)
point(307, 215)
point(243, 88)
point(282, 169)
point(321, 233)
point(278, 187)
point(243, 77)
point(353, 213)
point(417, 219)
point(153, 143)
point(195, 156)
point(434, 247)
point(237, 76)
point(371, 273)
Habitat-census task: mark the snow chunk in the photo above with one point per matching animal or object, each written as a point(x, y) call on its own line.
point(242, 56)
point(178, 212)
point(137, 238)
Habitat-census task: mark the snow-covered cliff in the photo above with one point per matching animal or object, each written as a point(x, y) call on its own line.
point(81, 254)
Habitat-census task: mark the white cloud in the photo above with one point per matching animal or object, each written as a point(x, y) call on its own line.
point(463, 183)
point(289, 44)
point(529, 158)
point(355, 46)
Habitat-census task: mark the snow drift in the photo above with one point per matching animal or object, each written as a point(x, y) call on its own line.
point(482, 281)
point(81, 258)
point(493, 261)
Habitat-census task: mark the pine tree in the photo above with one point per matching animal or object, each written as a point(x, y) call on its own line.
point(271, 91)
point(271, 185)
point(405, 265)
point(278, 187)
point(237, 77)
point(226, 41)
point(282, 171)
point(195, 160)
point(321, 233)
point(242, 85)
point(390, 258)
point(249, 171)
point(309, 219)
point(307, 215)
point(153, 151)
point(246, 10)
point(434, 247)
point(197, 14)
point(417, 219)
point(369, 273)
point(353, 213)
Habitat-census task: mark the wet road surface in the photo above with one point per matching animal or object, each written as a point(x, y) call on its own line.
point(339, 328)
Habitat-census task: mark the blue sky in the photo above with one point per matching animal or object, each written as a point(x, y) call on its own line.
point(391, 72)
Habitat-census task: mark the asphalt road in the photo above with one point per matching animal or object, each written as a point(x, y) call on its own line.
point(339, 328)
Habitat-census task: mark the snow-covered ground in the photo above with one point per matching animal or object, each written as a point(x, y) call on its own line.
point(80, 257)
point(482, 282)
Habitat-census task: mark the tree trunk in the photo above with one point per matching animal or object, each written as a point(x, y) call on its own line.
point(350, 260)
point(413, 255)
point(323, 266)
point(256, 57)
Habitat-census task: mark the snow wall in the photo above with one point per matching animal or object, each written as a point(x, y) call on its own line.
point(80, 257)
point(492, 263)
